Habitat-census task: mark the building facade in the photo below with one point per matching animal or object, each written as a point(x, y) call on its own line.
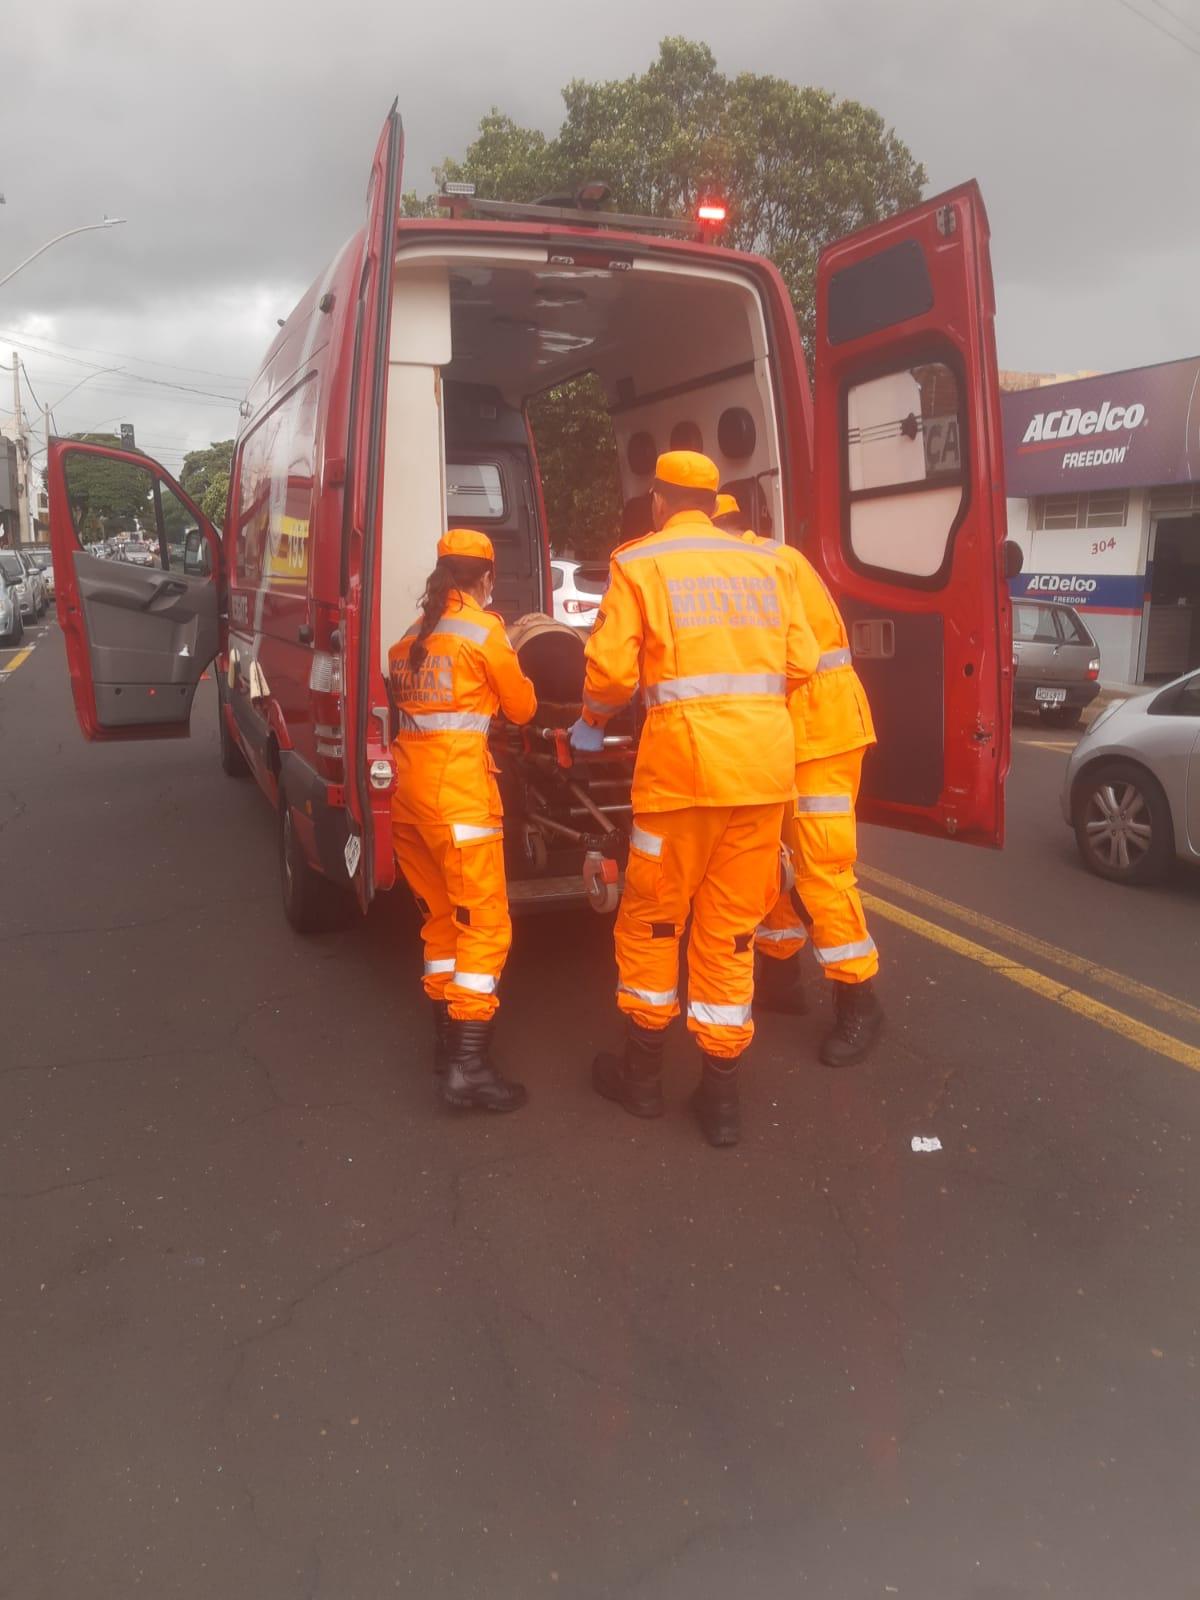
point(1104, 499)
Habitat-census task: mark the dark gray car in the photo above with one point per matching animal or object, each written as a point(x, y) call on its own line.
point(1057, 662)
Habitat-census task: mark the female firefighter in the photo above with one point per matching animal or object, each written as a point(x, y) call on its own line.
point(447, 676)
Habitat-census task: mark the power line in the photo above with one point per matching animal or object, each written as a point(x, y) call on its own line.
point(1186, 21)
point(1166, 32)
point(145, 361)
point(135, 377)
point(29, 386)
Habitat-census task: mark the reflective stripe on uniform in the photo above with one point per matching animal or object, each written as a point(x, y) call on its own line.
point(710, 683)
point(835, 658)
point(651, 997)
point(779, 935)
point(830, 805)
point(439, 966)
point(600, 707)
point(664, 547)
point(718, 1016)
point(477, 982)
point(844, 952)
point(648, 843)
point(475, 631)
point(471, 833)
point(444, 722)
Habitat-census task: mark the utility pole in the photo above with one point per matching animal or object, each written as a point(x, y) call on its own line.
point(45, 532)
point(23, 513)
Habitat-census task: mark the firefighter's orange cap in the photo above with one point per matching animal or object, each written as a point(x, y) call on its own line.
point(466, 542)
point(727, 506)
point(688, 469)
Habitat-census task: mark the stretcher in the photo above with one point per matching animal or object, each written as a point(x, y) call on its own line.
point(567, 814)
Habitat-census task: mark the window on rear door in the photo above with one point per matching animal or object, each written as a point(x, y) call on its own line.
point(474, 492)
point(1072, 626)
point(906, 488)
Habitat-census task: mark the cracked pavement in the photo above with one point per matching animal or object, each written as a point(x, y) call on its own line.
point(278, 1327)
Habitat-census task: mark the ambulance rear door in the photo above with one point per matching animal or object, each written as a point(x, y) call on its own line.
point(369, 848)
point(909, 527)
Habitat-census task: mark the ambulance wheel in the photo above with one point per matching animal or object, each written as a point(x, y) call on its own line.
point(310, 902)
point(233, 762)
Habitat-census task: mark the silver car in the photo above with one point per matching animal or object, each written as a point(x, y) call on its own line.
point(19, 581)
point(1057, 662)
point(1132, 789)
point(12, 628)
point(41, 593)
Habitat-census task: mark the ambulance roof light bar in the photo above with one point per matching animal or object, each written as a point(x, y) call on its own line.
point(460, 200)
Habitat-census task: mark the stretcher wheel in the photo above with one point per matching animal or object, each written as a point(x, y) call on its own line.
point(601, 880)
point(535, 849)
point(787, 869)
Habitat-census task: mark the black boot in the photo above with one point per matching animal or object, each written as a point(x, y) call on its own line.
point(471, 1080)
point(779, 985)
point(716, 1102)
point(441, 1037)
point(858, 1017)
point(633, 1080)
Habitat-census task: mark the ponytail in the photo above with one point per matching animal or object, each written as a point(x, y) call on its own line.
point(451, 572)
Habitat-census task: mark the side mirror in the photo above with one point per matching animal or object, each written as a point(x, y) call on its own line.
point(196, 563)
point(1014, 559)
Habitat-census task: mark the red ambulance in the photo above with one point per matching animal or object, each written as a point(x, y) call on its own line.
point(393, 402)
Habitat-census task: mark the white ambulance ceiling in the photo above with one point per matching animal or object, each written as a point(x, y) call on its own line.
point(527, 327)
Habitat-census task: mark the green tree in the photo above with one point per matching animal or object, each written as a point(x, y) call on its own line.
point(107, 497)
point(796, 167)
point(205, 476)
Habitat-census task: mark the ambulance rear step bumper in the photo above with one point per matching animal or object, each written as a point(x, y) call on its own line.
point(546, 894)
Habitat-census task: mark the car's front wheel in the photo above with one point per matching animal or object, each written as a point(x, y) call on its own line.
point(1123, 824)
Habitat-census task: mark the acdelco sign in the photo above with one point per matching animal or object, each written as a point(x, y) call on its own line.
point(1051, 583)
point(1045, 426)
point(1118, 430)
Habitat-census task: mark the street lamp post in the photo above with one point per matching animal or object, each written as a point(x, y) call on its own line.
point(109, 222)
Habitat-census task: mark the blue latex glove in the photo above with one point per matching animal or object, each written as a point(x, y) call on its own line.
point(586, 738)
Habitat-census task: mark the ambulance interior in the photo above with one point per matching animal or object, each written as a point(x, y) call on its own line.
point(682, 357)
point(680, 351)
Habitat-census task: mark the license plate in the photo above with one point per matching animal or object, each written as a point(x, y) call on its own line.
point(1050, 697)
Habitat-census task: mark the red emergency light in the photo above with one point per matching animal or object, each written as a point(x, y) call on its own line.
point(711, 215)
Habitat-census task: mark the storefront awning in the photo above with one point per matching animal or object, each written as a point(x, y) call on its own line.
point(1123, 430)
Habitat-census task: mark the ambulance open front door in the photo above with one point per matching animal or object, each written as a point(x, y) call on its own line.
point(142, 623)
point(910, 514)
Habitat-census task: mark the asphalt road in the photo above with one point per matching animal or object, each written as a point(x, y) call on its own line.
point(275, 1325)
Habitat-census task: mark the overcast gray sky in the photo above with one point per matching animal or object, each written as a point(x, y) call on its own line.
point(236, 137)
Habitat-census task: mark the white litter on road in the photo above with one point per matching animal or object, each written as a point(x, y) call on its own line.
point(924, 1145)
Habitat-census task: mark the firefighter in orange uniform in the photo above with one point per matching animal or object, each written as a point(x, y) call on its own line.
point(712, 631)
point(833, 727)
point(447, 677)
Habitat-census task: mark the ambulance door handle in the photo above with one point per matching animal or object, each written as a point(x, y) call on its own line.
point(873, 639)
point(305, 633)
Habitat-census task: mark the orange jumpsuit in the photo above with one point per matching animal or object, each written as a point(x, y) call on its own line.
point(833, 728)
point(447, 828)
point(713, 632)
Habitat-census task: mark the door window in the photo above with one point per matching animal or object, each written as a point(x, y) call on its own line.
point(474, 492)
point(905, 477)
point(116, 499)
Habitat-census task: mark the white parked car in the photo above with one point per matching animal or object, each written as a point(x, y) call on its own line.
point(578, 590)
point(43, 559)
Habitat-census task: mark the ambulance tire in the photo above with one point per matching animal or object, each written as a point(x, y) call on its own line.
point(311, 903)
point(233, 762)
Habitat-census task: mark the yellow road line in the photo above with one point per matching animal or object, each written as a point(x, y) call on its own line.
point(1046, 744)
point(1162, 1044)
point(18, 660)
point(1044, 951)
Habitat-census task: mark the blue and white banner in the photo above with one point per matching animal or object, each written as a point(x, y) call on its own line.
point(1118, 595)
